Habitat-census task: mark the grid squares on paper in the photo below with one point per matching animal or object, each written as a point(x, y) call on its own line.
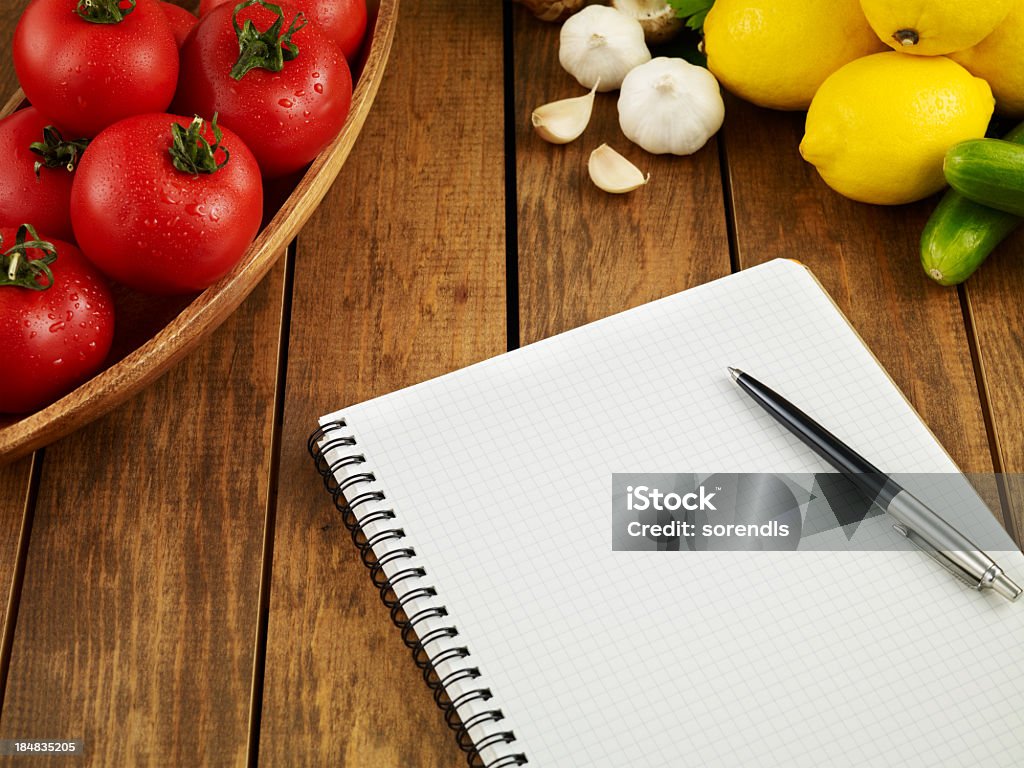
point(500, 475)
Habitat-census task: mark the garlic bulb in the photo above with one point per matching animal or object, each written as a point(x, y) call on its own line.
point(563, 121)
point(657, 17)
point(613, 173)
point(600, 43)
point(553, 10)
point(670, 105)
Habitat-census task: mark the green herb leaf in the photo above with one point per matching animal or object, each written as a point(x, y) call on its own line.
point(694, 11)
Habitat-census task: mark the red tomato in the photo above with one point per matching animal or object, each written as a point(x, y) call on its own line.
point(155, 227)
point(344, 21)
point(42, 199)
point(52, 339)
point(285, 117)
point(85, 75)
point(179, 20)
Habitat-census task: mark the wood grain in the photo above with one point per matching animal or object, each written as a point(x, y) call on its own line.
point(867, 258)
point(583, 253)
point(994, 300)
point(156, 353)
point(138, 616)
point(399, 277)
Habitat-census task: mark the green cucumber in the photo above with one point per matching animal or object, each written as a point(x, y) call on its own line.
point(988, 171)
point(961, 233)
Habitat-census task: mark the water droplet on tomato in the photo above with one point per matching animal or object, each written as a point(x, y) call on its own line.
point(316, 75)
point(318, 87)
point(286, 103)
point(214, 214)
point(59, 361)
point(58, 326)
point(300, 93)
point(306, 113)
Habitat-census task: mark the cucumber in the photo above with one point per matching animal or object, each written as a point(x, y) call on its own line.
point(988, 171)
point(961, 233)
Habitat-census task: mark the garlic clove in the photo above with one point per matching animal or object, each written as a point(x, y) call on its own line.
point(563, 121)
point(657, 17)
point(613, 173)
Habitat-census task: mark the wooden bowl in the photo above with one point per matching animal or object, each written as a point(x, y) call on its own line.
point(153, 333)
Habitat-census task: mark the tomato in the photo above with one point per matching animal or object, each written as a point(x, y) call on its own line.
point(42, 197)
point(179, 20)
point(286, 106)
point(56, 333)
point(165, 204)
point(85, 75)
point(344, 21)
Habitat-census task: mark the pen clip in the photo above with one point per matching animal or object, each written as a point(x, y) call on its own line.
point(921, 543)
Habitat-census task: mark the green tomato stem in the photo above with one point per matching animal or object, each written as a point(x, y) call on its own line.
point(192, 153)
point(103, 11)
point(56, 152)
point(21, 271)
point(268, 49)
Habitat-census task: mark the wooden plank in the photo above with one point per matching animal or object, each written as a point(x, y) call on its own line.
point(138, 616)
point(867, 258)
point(994, 300)
point(9, 15)
point(399, 277)
point(584, 253)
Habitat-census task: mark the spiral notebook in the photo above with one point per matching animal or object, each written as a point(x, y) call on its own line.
point(480, 502)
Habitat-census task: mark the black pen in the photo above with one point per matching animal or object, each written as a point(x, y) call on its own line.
point(914, 519)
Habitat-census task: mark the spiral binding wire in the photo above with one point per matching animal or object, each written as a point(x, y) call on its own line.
point(350, 502)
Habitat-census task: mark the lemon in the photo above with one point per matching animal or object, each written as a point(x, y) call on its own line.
point(999, 58)
point(934, 27)
point(776, 53)
point(878, 128)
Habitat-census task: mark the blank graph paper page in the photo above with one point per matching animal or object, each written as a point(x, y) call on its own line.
point(500, 476)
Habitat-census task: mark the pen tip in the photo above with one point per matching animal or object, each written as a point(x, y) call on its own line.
point(735, 373)
point(1004, 585)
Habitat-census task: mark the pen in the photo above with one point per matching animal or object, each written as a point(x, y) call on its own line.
point(914, 519)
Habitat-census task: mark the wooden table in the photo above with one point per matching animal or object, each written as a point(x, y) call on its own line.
point(180, 589)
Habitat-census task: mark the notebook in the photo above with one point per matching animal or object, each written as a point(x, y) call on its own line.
point(481, 503)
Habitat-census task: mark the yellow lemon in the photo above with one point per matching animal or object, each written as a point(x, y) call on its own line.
point(999, 58)
point(934, 27)
point(776, 53)
point(878, 128)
